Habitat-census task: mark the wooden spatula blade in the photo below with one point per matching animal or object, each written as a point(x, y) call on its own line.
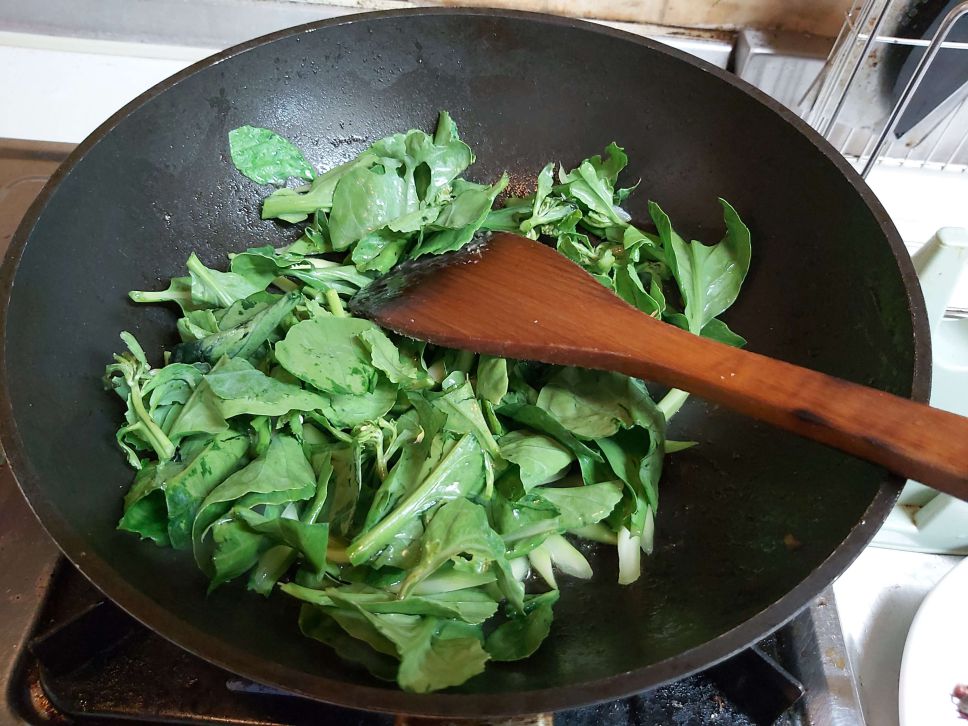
point(502, 295)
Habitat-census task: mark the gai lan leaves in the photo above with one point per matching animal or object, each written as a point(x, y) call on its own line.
point(400, 491)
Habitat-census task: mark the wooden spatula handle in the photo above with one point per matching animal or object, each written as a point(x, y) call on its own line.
point(909, 438)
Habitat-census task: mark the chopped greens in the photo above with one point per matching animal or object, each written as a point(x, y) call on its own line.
point(403, 492)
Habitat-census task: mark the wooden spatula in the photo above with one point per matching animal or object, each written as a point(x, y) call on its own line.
point(511, 296)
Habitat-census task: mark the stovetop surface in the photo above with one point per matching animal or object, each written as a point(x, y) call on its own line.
point(72, 657)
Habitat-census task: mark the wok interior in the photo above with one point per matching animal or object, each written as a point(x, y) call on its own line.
point(824, 291)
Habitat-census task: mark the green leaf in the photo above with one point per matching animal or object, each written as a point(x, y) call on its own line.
point(464, 414)
point(197, 324)
point(709, 277)
point(509, 217)
point(295, 206)
point(639, 245)
point(242, 389)
point(580, 506)
point(594, 404)
point(282, 475)
point(242, 311)
point(716, 329)
point(637, 460)
point(459, 473)
point(185, 486)
point(261, 265)
point(527, 522)
point(492, 379)
point(540, 420)
point(380, 250)
point(398, 176)
point(541, 459)
point(310, 540)
point(447, 655)
point(169, 388)
point(369, 198)
point(318, 623)
point(345, 484)
point(458, 528)
point(201, 414)
point(265, 157)
point(416, 462)
point(244, 340)
point(234, 387)
point(145, 509)
point(628, 286)
point(595, 195)
point(235, 550)
point(611, 166)
point(327, 353)
point(385, 356)
point(461, 218)
point(271, 566)
point(433, 653)
point(523, 634)
point(217, 289)
point(472, 605)
point(347, 411)
point(126, 376)
point(546, 208)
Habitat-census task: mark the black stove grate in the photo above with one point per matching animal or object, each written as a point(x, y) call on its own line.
point(90, 663)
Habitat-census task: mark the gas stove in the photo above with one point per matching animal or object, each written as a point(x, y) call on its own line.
point(71, 656)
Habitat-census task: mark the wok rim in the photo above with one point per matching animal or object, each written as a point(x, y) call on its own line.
point(443, 704)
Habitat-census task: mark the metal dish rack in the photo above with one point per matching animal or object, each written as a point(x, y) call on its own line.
point(849, 106)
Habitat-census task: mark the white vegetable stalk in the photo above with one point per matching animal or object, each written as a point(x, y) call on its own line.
point(648, 532)
point(597, 532)
point(566, 558)
point(436, 371)
point(541, 561)
point(672, 402)
point(629, 553)
point(557, 552)
point(520, 568)
point(449, 581)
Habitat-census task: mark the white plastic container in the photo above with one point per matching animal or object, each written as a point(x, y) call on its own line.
point(925, 520)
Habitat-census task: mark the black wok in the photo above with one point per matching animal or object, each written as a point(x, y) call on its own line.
point(831, 288)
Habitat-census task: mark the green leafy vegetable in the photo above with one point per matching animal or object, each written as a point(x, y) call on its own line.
point(540, 458)
point(326, 352)
point(523, 633)
point(400, 491)
point(709, 277)
point(265, 157)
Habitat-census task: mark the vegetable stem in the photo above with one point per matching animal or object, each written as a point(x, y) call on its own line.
point(672, 402)
point(334, 303)
point(285, 284)
point(322, 421)
point(157, 438)
point(420, 499)
point(150, 296)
